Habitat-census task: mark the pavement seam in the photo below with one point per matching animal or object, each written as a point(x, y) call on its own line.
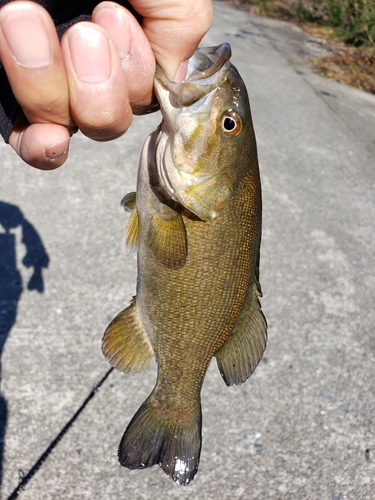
point(38, 464)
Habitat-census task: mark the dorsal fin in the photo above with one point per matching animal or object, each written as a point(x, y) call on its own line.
point(240, 354)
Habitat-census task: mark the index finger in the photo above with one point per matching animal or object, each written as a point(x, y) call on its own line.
point(174, 28)
point(31, 55)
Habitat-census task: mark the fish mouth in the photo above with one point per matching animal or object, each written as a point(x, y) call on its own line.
point(207, 62)
point(206, 71)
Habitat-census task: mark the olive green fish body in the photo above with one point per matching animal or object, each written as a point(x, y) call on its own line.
point(197, 290)
point(193, 309)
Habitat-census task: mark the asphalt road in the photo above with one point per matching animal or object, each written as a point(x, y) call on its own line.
point(303, 426)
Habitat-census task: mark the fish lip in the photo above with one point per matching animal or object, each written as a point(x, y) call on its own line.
point(203, 64)
point(218, 55)
point(206, 71)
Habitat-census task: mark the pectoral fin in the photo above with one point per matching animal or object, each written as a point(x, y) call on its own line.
point(243, 349)
point(167, 238)
point(125, 343)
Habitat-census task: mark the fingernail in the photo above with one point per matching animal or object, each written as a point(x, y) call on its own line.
point(55, 151)
point(112, 18)
point(26, 38)
point(146, 110)
point(181, 72)
point(90, 54)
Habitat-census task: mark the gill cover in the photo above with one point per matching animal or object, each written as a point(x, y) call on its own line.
point(200, 138)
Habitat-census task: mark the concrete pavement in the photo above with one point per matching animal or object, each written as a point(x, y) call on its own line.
point(303, 425)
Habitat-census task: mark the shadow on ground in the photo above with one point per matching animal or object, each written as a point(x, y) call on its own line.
point(13, 222)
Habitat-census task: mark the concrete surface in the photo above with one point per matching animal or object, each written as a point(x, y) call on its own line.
point(303, 426)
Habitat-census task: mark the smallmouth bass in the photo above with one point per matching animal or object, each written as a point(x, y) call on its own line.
point(196, 225)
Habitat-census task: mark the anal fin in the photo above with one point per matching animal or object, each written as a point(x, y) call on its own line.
point(240, 354)
point(125, 343)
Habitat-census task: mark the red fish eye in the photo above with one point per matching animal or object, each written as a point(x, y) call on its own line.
point(231, 123)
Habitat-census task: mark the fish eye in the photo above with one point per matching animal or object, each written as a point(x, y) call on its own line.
point(231, 123)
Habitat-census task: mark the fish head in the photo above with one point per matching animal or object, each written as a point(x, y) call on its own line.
point(205, 128)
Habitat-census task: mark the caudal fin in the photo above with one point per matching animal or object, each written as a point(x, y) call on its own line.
point(152, 438)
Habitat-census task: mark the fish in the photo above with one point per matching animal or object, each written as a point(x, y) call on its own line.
point(195, 222)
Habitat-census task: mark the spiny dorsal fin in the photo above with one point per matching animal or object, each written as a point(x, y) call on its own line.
point(167, 238)
point(125, 343)
point(244, 348)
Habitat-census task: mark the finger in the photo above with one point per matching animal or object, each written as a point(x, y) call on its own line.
point(174, 28)
point(44, 146)
point(134, 50)
point(30, 52)
point(98, 93)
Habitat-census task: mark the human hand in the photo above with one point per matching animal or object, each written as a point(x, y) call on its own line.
point(98, 77)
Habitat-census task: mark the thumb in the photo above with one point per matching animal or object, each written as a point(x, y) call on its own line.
point(174, 28)
point(41, 145)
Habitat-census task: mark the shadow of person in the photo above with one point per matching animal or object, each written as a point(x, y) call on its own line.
point(11, 286)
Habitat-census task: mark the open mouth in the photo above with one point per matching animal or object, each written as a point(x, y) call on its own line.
point(206, 70)
point(207, 62)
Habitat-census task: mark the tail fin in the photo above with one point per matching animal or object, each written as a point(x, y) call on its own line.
point(151, 439)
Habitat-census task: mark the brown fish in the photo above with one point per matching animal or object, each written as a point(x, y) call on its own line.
point(196, 224)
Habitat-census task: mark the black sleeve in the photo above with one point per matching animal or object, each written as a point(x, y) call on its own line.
point(64, 14)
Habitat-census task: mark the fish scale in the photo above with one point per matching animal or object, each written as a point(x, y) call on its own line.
point(197, 230)
point(232, 278)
